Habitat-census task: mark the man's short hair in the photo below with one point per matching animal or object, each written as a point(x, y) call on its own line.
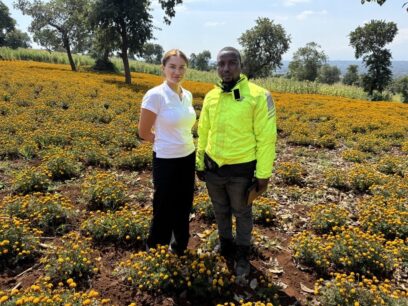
point(231, 50)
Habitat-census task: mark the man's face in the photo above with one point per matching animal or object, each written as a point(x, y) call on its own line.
point(228, 66)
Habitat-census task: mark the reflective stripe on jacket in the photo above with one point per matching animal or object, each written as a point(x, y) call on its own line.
point(238, 128)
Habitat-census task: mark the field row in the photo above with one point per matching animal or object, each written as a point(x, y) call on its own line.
point(75, 196)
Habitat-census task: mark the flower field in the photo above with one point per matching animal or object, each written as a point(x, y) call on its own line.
point(75, 201)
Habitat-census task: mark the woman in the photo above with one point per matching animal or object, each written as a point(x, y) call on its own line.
point(167, 117)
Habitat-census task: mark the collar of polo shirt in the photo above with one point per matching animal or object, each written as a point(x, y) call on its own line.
point(170, 91)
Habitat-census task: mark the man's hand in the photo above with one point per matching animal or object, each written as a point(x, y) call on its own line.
point(262, 183)
point(200, 175)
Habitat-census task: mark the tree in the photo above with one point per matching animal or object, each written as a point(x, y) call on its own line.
point(263, 47)
point(7, 23)
point(48, 38)
point(201, 61)
point(152, 53)
point(9, 35)
point(306, 62)
point(381, 2)
point(403, 88)
point(59, 23)
point(351, 77)
point(400, 86)
point(17, 39)
point(101, 49)
point(328, 74)
point(130, 24)
point(369, 42)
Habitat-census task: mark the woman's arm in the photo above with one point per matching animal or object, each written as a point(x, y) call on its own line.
point(147, 119)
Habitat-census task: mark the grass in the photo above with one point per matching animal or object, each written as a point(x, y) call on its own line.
point(43, 56)
point(277, 84)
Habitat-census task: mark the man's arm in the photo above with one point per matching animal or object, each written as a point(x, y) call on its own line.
point(265, 135)
point(202, 130)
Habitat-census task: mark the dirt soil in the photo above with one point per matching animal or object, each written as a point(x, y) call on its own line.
point(294, 279)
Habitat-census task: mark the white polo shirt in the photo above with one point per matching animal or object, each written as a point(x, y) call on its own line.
point(174, 121)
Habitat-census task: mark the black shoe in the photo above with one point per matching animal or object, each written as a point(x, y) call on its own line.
point(175, 249)
point(242, 266)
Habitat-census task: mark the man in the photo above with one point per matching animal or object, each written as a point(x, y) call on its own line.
point(236, 145)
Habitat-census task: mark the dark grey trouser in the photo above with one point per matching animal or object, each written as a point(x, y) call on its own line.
point(228, 196)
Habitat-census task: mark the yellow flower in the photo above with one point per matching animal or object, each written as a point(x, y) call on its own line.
point(72, 285)
point(35, 288)
point(3, 298)
point(93, 293)
point(20, 301)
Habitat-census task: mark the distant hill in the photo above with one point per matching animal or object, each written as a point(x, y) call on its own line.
point(399, 68)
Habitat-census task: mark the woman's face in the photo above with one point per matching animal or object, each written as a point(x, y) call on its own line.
point(175, 69)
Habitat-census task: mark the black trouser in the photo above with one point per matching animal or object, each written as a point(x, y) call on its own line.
point(173, 180)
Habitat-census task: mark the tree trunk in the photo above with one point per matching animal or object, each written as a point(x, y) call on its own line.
point(128, 77)
point(124, 55)
point(106, 54)
point(68, 48)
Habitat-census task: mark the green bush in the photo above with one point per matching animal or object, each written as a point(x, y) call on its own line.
point(61, 164)
point(134, 160)
point(350, 289)
point(74, 258)
point(362, 177)
point(125, 227)
point(30, 180)
point(203, 207)
point(103, 191)
point(291, 173)
point(51, 213)
point(159, 271)
point(325, 217)
point(18, 242)
point(264, 211)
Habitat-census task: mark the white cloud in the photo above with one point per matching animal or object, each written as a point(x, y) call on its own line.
point(294, 2)
point(214, 23)
point(402, 36)
point(305, 14)
point(281, 17)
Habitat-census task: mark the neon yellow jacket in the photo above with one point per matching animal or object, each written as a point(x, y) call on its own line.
point(233, 131)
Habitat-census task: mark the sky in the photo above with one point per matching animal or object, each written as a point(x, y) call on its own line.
point(213, 24)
